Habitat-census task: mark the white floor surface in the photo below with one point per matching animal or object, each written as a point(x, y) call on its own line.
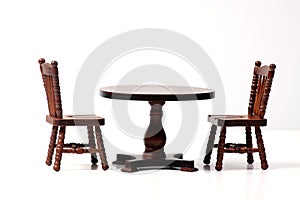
point(24, 175)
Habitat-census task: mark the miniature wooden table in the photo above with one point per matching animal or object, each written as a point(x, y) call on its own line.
point(155, 137)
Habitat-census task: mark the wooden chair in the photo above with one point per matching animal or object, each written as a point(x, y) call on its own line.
point(259, 95)
point(59, 121)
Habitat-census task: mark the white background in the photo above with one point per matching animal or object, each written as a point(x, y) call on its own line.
point(234, 34)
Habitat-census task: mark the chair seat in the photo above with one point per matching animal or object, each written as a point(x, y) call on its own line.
point(236, 120)
point(76, 120)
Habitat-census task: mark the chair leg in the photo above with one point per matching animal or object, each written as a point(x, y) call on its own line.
point(221, 147)
point(51, 145)
point(92, 144)
point(250, 159)
point(59, 148)
point(261, 148)
point(101, 148)
point(210, 144)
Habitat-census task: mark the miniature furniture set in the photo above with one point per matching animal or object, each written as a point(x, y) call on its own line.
point(155, 138)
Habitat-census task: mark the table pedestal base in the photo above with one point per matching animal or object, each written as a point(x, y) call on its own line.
point(138, 163)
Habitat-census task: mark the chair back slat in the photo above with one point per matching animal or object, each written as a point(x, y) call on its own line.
point(51, 83)
point(260, 89)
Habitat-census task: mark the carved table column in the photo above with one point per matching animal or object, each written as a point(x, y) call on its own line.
point(155, 137)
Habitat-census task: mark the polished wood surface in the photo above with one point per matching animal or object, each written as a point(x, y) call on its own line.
point(156, 93)
point(155, 137)
point(59, 122)
point(259, 95)
point(75, 120)
point(236, 120)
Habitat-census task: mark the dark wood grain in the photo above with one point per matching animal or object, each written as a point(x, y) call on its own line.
point(59, 148)
point(76, 120)
point(249, 144)
point(155, 137)
point(59, 121)
point(236, 120)
point(261, 148)
point(221, 149)
point(51, 145)
point(259, 95)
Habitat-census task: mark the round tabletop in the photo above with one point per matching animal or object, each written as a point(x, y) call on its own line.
point(156, 93)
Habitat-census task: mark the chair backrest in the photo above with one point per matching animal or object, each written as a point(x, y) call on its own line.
point(51, 84)
point(260, 89)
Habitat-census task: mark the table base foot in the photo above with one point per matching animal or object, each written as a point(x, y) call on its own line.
point(122, 158)
point(138, 163)
point(129, 169)
point(187, 169)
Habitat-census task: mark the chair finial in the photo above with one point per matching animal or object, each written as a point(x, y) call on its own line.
point(41, 61)
point(54, 63)
point(258, 63)
point(273, 66)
